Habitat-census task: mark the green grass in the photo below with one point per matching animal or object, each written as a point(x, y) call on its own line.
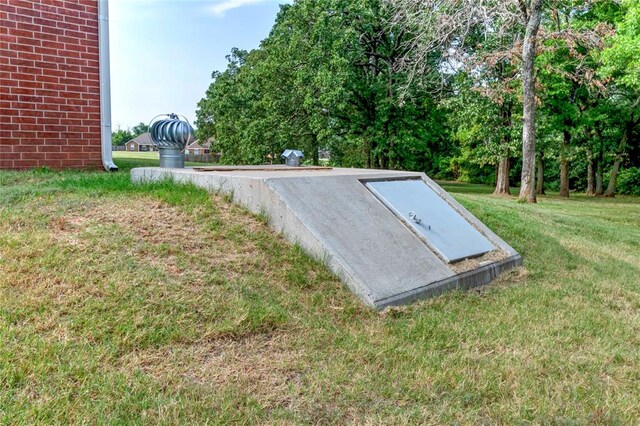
point(128, 159)
point(123, 304)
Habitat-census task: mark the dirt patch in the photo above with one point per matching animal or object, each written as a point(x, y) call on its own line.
point(469, 264)
point(150, 220)
point(165, 237)
point(264, 366)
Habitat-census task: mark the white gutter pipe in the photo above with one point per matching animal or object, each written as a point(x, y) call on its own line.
point(105, 85)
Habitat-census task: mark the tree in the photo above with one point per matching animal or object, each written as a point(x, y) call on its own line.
point(326, 77)
point(532, 13)
point(482, 122)
point(121, 137)
point(622, 62)
point(438, 86)
point(139, 129)
point(570, 88)
point(445, 25)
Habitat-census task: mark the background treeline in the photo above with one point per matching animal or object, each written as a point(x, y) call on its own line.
point(336, 77)
point(122, 136)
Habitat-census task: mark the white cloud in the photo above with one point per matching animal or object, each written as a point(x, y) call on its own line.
point(221, 7)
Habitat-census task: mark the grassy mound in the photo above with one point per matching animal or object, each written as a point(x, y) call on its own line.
point(162, 303)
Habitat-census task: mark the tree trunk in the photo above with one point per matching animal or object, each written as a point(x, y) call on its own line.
point(613, 180)
point(599, 171)
point(599, 164)
point(611, 189)
point(502, 179)
point(527, 188)
point(314, 150)
point(383, 160)
point(591, 189)
point(564, 164)
point(540, 177)
point(504, 165)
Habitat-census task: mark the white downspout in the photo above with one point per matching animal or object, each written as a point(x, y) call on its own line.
point(105, 85)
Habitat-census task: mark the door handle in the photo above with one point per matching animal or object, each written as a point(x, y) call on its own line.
point(417, 220)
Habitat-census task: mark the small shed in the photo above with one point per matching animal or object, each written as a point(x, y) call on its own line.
point(292, 157)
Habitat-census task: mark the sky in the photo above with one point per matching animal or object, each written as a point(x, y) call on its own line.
point(164, 51)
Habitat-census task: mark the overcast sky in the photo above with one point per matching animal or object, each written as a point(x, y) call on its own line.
point(164, 51)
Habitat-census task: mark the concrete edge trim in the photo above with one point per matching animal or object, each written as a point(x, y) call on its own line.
point(470, 279)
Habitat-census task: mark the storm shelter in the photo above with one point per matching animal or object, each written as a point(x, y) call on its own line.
point(392, 237)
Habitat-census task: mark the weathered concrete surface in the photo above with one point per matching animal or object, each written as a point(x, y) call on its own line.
point(334, 217)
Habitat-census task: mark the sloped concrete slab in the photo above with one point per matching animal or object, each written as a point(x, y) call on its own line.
point(334, 216)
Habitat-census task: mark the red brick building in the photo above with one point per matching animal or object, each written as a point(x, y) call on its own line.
point(50, 87)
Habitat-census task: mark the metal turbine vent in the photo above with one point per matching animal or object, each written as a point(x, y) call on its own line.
point(171, 135)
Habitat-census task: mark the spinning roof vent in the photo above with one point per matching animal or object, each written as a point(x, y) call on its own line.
point(171, 136)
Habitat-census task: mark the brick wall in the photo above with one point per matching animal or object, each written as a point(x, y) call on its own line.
point(49, 84)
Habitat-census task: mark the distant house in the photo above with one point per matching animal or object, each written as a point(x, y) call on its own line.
point(196, 149)
point(141, 143)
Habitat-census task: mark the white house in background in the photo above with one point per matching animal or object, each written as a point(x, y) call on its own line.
point(141, 143)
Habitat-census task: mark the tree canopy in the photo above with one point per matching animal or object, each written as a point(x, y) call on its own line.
point(487, 91)
point(122, 136)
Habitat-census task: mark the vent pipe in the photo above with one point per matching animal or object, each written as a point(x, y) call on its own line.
point(171, 136)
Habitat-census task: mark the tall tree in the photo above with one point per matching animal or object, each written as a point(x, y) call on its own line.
point(532, 13)
point(445, 26)
point(482, 117)
point(326, 77)
point(567, 75)
point(139, 129)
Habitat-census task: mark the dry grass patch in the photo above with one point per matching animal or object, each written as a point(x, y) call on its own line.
point(265, 366)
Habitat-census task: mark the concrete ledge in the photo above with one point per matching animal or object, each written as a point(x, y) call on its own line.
point(466, 280)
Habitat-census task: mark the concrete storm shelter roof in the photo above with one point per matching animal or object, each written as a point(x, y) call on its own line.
point(392, 237)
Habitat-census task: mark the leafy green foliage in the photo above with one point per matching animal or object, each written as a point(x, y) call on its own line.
point(122, 136)
point(621, 57)
point(324, 79)
point(327, 79)
point(629, 181)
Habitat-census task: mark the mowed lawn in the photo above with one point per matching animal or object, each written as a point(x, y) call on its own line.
point(126, 304)
point(129, 159)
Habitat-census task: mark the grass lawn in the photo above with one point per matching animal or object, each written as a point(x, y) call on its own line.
point(132, 159)
point(128, 159)
point(165, 304)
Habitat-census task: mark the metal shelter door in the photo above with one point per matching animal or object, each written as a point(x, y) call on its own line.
point(444, 228)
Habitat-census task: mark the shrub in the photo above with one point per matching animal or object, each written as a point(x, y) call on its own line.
point(629, 181)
